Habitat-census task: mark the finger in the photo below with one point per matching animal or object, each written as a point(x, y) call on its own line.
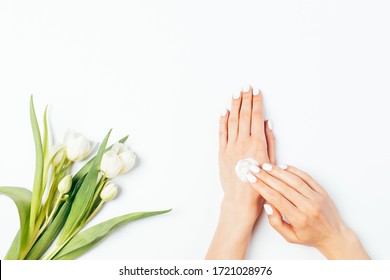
point(270, 137)
point(223, 129)
point(306, 178)
point(288, 192)
point(244, 128)
point(276, 221)
point(257, 126)
point(289, 178)
point(275, 198)
point(234, 118)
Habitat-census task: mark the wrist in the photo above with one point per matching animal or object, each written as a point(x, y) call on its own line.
point(233, 232)
point(244, 213)
point(344, 246)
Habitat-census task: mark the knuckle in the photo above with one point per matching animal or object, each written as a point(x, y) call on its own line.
point(290, 240)
point(315, 211)
point(273, 196)
point(320, 200)
point(233, 120)
point(256, 112)
point(275, 222)
point(296, 182)
point(300, 184)
point(245, 114)
point(302, 221)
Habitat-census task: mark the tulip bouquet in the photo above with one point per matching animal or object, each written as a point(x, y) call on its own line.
point(53, 216)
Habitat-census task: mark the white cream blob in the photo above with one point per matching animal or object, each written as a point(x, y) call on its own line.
point(243, 168)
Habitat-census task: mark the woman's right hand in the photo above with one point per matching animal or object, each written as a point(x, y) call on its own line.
point(312, 216)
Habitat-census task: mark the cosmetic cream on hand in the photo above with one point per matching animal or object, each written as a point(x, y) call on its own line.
point(243, 168)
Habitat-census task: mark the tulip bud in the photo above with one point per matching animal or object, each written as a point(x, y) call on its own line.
point(111, 164)
point(109, 192)
point(57, 154)
point(65, 184)
point(77, 146)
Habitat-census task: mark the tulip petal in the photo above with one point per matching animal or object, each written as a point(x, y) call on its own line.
point(78, 149)
point(111, 164)
point(70, 136)
point(127, 160)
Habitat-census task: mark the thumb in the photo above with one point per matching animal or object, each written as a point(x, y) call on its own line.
point(271, 145)
point(275, 218)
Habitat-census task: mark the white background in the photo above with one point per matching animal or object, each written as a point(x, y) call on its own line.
point(162, 71)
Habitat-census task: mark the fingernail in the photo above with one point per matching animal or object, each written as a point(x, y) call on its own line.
point(268, 209)
point(267, 167)
point(254, 168)
point(246, 89)
point(256, 92)
point(224, 112)
point(236, 95)
point(269, 123)
point(252, 179)
point(282, 166)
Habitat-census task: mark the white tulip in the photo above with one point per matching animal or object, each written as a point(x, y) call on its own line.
point(57, 154)
point(111, 164)
point(65, 184)
point(118, 160)
point(126, 156)
point(109, 192)
point(77, 146)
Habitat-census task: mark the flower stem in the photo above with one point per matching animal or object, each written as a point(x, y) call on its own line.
point(58, 247)
point(49, 219)
point(94, 212)
point(38, 231)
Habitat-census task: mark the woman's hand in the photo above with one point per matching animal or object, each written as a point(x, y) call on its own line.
point(243, 133)
point(312, 217)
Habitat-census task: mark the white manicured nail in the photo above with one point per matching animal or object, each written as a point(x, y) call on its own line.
point(267, 167)
point(255, 169)
point(224, 112)
point(269, 123)
point(282, 166)
point(246, 89)
point(252, 179)
point(236, 95)
point(268, 209)
point(256, 92)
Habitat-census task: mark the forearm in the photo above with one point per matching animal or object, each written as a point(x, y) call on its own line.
point(233, 233)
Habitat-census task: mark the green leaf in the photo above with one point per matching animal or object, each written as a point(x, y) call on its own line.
point(13, 251)
point(49, 235)
point(84, 197)
point(84, 170)
point(22, 200)
point(45, 145)
point(84, 241)
point(36, 194)
point(46, 154)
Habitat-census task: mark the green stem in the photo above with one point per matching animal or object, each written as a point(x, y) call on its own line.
point(38, 231)
point(58, 247)
point(48, 220)
point(94, 212)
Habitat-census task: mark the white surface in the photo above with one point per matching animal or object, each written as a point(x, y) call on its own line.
point(163, 70)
